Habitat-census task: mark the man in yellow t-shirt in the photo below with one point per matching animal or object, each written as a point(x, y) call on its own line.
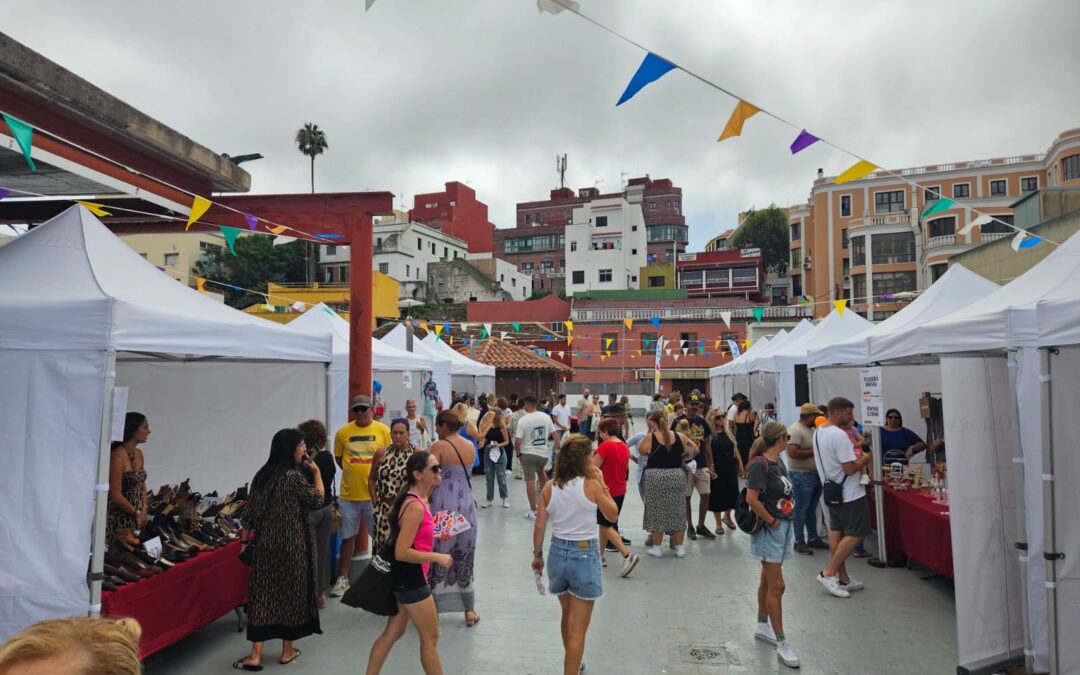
point(355, 444)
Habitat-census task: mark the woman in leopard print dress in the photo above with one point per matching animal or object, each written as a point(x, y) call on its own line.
point(388, 475)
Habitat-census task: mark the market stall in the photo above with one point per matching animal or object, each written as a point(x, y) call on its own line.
point(82, 317)
point(441, 366)
point(467, 375)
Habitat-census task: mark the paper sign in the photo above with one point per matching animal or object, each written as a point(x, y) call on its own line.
point(153, 547)
point(119, 412)
point(406, 379)
point(873, 411)
point(870, 381)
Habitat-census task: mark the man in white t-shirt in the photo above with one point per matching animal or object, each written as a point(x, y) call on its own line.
point(531, 437)
point(849, 521)
point(561, 415)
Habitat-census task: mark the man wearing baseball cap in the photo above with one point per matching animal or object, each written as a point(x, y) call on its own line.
point(802, 469)
point(355, 444)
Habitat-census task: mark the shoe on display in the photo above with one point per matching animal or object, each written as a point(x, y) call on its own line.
point(655, 552)
point(340, 586)
point(819, 543)
point(506, 503)
point(832, 585)
point(486, 504)
point(853, 585)
point(691, 533)
point(801, 547)
point(705, 532)
point(764, 632)
point(628, 565)
point(680, 552)
point(786, 654)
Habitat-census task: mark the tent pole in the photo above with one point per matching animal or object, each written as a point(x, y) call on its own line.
point(879, 499)
point(101, 488)
point(1021, 512)
point(1046, 402)
point(328, 414)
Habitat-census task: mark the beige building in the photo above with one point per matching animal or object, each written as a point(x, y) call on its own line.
point(866, 239)
point(175, 252)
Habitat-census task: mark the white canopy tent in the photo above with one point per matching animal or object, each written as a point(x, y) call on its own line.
point(81, 314)
point(724, 379)
point(467, 375)
point(441, 372)
point(402, 374)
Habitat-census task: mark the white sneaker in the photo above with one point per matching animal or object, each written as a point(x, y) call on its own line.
point(486, 504)
point(654, 551)
point(764, 632)
point(340, 586)
point(509, 472)
point(530, 515)
point(518, 474)
point(628, 565)
point(362, 555)
point(680, 552)
point(786, 654)
point(853, 585)
point(832, 585)
point(506, 503)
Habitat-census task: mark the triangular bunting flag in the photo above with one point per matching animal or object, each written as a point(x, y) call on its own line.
point(95, 209)
point(23, 134)
point(277, 229)
point(607, 342)
point(464, 327)
point(803, 141)
point(758, 313)
point(603, 357)
point(684, 350)
point(200, 284)
point(517, 327)
point(561, 354)
point(655, 321)
point(716, 344)
point(629, 323)
point(199, 207)
point(423, 324)
point(608, 352)
point(726, 316)
point(856, 171)
point(746, 343)
point(588, 357)
point(4, 192)
point(668, 352)
point(840, 305)
point(652, 68)
point(487, 329)
point(578, 354)
point(676, 357)
point(939, 205)
point(1023, 240)
point(569, 325)
point(502, 335)
point(483, 333)
point(647, 341)
point(280, 240)
point(743, 111)
point(438, 329)
point(981, 220)
point(230, 234)
point(683, 343)
point(252, 221)
point(446, 328)
point(269, 308)
point(569, 340)
point(328, 311)
point(451, 339)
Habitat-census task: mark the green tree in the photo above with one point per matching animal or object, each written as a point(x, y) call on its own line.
point(311, 141)
point(257, 261)
point(768, 230)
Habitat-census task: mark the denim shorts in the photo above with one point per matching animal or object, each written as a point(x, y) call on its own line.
point(351, 514)
point(574, 567)
point(773, 546)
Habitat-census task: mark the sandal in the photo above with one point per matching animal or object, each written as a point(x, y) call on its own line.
point(471, 619)
point(240, 665)
point(295, 656)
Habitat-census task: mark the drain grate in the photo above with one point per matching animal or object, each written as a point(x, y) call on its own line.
point(712, 655)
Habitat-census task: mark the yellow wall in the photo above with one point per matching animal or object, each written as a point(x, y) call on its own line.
point(384, 299)
point(186, 246)
point(668, 272)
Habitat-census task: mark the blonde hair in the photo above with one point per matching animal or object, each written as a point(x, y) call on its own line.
point(721, 428)
point(770, 433)
point(87, 646)
point(461, 411)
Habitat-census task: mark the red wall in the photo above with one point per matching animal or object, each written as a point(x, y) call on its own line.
point(547, 309)
point(467, 219)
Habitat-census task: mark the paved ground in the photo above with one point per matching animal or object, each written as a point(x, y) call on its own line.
point(647, 623)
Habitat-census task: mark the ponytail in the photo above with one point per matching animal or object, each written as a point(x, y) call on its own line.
point(771, 432)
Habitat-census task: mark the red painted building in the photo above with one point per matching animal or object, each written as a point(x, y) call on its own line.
point(548, 309)
point(457, 212)
point(720, 273)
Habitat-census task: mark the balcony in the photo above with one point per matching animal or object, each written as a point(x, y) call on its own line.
point(986, 237)
point(938, 242)
point(883, 220)
point(691, 313)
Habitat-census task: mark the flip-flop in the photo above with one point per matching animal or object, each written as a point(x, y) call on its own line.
point(240, 665)
point(295, 656)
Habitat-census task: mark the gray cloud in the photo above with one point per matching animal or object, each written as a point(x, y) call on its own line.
point(412, 94)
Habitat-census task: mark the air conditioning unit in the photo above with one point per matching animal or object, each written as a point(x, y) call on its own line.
point(806, 263)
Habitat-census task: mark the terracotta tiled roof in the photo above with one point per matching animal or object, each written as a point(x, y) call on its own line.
point(502, 354)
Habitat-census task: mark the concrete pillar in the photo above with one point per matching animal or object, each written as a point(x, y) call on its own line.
point(361, 316)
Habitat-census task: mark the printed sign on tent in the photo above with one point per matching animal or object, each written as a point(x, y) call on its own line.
point(873, 413)
point(870, 381)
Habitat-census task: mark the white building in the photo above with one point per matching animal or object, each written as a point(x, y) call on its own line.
point(605, 247)
point(479, 277)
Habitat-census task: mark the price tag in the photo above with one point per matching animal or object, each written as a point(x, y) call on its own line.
point(153, 547)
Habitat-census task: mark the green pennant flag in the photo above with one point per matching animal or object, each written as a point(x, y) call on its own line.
point(517, 327)
point(648, 341)
point(483, 333)
point(230, 234)
point(23, 134)
point(943, 204)
point(758, 313)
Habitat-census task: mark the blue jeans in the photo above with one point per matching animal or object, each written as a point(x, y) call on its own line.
point(493, 470)
point(807, 487)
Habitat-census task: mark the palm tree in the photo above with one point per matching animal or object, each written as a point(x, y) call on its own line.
point(311, 141)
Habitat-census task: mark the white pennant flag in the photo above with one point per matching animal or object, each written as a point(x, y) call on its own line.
point(676, 357)
point(726, 316)
point(668, 352)
point(487, 327)
point(279, 240)
point(464, 327)
point(981, 220)
point(684, 350)
point(299, 306)
point(502, 335)
point(553, 7)
point(561, 354)
point(683, 343)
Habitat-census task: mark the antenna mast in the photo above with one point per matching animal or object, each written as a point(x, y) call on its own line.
point(560, 168)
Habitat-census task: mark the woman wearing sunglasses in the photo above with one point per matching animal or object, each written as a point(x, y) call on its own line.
point(414, 529)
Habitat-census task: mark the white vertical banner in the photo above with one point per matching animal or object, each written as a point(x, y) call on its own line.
point(656, 374)
point(119, 413)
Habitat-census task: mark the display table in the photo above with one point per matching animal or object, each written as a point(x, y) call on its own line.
point(180, 601)
point(917, 528)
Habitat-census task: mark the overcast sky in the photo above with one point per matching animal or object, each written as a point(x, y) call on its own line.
point(415, 93)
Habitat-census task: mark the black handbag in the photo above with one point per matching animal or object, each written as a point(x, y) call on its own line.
point(248, 553)
point(748, 521)
point(373, 590)
point(831, 492)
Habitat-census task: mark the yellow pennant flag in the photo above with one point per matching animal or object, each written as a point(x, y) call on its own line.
point(609, 352)
point(746, 343)
point(856, 171)
point(569, 325)
point(438, 329)
point(743, 111)
point(608, 341)
point(200, 284)
point(423, 324)
point(278, 229)
point(602, 357)
point(199, 207)
point(840, 305)
point(629, 323)
point(451, 339)
point(716, 344)
point(569, 340)
point(95, 209)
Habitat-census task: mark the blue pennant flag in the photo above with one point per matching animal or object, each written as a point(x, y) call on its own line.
point(650, 70)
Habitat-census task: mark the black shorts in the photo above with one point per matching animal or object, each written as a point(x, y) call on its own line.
point(851, 519)
point(604, 522)
point(408, 596)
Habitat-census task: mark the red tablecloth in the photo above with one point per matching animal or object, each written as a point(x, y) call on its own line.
point(193, 594)
point(917, 528)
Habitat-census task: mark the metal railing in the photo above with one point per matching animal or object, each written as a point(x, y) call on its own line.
point(943, 240)
point(690, 313)
point(985, 237)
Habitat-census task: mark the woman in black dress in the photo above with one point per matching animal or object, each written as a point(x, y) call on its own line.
point(745, 423)
point(729, 466)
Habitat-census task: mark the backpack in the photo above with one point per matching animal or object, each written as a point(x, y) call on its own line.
point(748, 521)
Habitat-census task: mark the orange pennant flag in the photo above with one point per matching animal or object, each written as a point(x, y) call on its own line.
point(629, 323)
point(95, 209)
point(743, 111)
point(423, 324)
point(200, 284)
point(199, 207)
point(277, 229)
point(856, 171)
point(569, 340)
point(840, 305)
point(716, 344)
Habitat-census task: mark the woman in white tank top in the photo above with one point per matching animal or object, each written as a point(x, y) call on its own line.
point(570, 500)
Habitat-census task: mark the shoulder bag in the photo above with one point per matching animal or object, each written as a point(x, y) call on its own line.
point(832, 492)
point(373, 591)
point(745, 517)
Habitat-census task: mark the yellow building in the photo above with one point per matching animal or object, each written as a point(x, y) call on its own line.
point(657, 276)
point(175, 252)
point(283, 298)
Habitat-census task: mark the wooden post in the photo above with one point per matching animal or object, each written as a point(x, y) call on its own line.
point(361, 315)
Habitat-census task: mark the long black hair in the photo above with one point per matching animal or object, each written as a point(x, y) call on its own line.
point(132, 422)
point(890, 411)
point(282, 452)
point(416, 462)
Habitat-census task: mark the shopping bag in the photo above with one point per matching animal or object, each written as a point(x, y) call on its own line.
point(372, 591)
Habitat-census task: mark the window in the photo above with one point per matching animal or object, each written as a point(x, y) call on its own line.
point(331, 250)
point(845, 206)
point(601, 221)
point(569, 216)
point(540, 242)
point(432, 248)
point(888, 283)
point(796, 285)
point(408, 270)
point(715, 278)
point(669, 203)
point(688, 340)
point(961, 190)
point(419, 244)
point(1070, 167)
point(171, 259)
point(656, 281)
point(455, 254)
point(329, 275)
point(605, 275)
point(145, 256)
point(843, 239)
point(613, 346)
point(937, 271)
point(667, 233)
point(573, 246)
point(994, 227)
point(652, 206)
point(527, 267)
point(502, 278)
point(796, 232)
point(845, 267)
point(898, 247)
point(931, 193)
point(547, 266)
point(528, 217)
point(513, 282)
point(378, 242)
point(858, 288)
point(796, 258)
point(940, 227)
point(578, 277)
point(562, 264)
point(889, 202)
point(539, 218)
point(1029, 184)
point(633, 228)
point(445, 252)
point(997, 188)
point(648, 341)
point(384, 268)
point(690, 278)
point(633, 251)
point(858, 251)
point(743, 276)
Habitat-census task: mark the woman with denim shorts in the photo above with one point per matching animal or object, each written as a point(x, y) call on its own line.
point(570, 500)
point(769, 494)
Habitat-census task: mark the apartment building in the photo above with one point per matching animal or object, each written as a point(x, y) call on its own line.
point(866, 240)
point(605, 248)
point(175, 252)
point(456, 212)
point(711, 274)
